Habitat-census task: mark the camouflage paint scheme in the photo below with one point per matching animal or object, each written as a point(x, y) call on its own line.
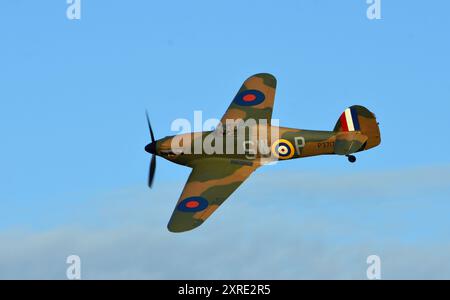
point(215, 177)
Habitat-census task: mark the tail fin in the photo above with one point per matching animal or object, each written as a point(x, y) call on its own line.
point(357, 120)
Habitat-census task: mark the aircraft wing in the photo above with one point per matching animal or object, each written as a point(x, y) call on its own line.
point(254, 99)
point(210, 183)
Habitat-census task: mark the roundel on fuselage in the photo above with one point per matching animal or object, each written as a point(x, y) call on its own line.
point(283, 149)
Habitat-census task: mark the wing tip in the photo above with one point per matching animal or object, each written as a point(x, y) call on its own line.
point(268, 79)
point(179, 228)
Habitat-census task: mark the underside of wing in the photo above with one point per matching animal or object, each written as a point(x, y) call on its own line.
point(254, 99)
point(210, 183)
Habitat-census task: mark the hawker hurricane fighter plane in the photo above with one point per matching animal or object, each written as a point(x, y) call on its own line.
point(246, 139)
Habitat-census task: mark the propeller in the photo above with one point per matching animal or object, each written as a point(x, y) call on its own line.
point(151, 148)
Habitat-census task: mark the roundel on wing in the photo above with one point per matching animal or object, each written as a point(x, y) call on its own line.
point(192, 204)
point(249, 98)
point(283, 149)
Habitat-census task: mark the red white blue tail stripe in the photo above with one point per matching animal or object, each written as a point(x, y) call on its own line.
point(349, 120)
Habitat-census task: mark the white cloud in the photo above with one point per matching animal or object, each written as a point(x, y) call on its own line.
point(277, 226)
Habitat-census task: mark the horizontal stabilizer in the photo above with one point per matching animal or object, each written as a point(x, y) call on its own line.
point(349, 142)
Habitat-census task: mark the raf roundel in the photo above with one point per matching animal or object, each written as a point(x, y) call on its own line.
point(249, 98)
point(193, 204)
point(283, 149)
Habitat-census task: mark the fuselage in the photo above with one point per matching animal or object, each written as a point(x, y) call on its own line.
point(248, 148)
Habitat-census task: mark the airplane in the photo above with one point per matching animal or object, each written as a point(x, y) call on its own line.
point(216, 175)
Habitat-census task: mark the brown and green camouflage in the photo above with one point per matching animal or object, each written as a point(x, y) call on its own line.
point(215, 176)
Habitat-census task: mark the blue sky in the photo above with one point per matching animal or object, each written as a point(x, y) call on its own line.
point(73, 96)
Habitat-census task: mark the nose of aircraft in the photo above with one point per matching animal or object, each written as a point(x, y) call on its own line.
point(151, 148)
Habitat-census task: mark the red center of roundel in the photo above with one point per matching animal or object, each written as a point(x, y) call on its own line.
point(249, 98)
point(192, 204)
point(282, 150)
